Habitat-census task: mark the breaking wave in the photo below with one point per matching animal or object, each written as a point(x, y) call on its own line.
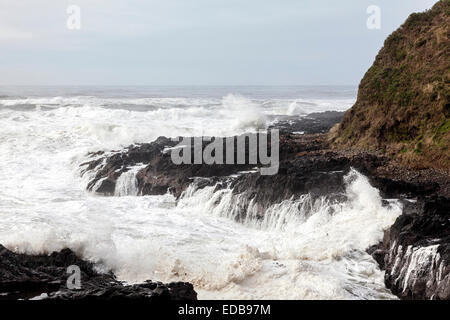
point(222, 242)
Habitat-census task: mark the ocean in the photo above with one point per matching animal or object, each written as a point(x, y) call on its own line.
point(47, 132)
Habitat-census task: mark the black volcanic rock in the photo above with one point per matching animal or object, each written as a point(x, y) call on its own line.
point(27, 276)
point(159, 174)
point(416, 251)
point(313, 123)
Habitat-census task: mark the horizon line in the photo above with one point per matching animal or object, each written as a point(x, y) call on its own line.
point(179, 85)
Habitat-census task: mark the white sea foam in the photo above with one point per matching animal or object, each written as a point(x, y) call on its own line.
point(250, 109)
point(300, 249)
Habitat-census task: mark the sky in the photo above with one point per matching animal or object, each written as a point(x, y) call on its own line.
point(194, 42)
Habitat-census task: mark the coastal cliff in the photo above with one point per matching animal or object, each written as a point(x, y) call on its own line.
point(403, 104)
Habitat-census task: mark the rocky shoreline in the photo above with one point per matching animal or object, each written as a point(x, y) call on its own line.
point(415, 251)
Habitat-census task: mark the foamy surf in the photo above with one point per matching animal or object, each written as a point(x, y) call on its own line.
point(303, 248)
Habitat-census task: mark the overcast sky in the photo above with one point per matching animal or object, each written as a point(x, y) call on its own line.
point(194, 42)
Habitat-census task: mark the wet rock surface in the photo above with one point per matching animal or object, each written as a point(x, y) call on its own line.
point(415, 251)
point(158, 174)
point(45, 277)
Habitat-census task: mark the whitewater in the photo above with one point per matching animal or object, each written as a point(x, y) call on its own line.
point(302, 249)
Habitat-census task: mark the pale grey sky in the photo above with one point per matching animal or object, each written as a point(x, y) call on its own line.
point(194, 42)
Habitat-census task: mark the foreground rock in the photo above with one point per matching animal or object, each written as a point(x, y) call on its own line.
point(44, 277)
point(416, 251)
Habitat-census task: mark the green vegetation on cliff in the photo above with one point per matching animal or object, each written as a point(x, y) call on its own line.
point(403, 105)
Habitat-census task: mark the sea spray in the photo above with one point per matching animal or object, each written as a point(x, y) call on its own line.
point(321, 236)
point(222, 242)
